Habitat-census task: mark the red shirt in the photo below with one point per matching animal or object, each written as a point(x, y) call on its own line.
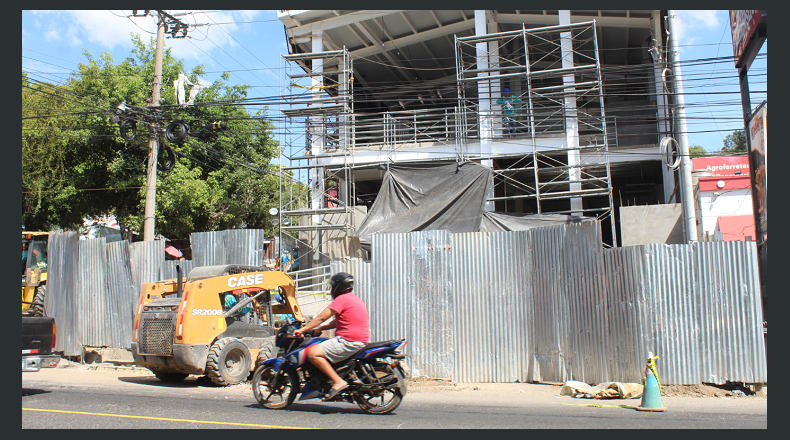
point(352, 318)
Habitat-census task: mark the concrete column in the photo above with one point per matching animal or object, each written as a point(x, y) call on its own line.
point(571, 116)
point(484, 98)
point(493, 62)
point(318, 132)
point(483, 86)
point(317, 128)
point(342, 133)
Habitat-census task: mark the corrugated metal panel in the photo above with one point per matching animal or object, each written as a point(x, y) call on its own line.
point(730, 328)
point(167, 270)
point(392, 300)
point(432, 297)
point(492, 290)
point(146, 257)
point(583, 266)
point(60, 301)
point(696, 306)
point(122, 296)
point(550, 320)
point(244, 246)
point(92, 293)
point(207, 248)
point(671, 312)
point(360, 270)
point(627, 294)
point(233, 246)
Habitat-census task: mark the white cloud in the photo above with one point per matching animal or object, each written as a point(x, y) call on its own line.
point(690, 23)
point(107, 29)
point(249, 15)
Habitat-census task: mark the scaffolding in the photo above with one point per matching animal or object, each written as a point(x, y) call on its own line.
point(554, 77)
point(318, 147)
point(548, 152)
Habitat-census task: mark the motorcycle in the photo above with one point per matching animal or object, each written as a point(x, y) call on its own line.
point(376, 381)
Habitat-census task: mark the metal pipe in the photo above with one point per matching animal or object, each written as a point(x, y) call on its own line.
point(243, 303)
point(179, 286)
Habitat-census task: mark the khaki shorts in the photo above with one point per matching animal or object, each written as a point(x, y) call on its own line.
point(338, 348)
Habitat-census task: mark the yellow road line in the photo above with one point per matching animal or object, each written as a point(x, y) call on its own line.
point(164, 419)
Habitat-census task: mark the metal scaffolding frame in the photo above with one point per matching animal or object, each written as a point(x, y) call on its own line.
point(581, 170)
point(323, 131)
point(317, 125)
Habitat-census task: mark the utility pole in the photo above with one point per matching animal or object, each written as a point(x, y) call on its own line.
point(149, 220)
point(686, 189)
point(170, 24)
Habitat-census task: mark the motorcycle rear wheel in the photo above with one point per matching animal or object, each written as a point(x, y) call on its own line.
point(275, 395)
point(383, 402)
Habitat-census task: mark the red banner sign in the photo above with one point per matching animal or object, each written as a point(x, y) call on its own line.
point(743, 24)
point(723, 165)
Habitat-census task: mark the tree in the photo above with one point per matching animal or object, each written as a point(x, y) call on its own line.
point(735, 143)
point(697, 151)
point(219, 180)
point(43, 149)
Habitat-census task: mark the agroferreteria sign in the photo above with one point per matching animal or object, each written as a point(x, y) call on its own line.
point(723, 165)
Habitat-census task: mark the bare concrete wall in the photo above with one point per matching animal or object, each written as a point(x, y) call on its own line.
point(651, 224)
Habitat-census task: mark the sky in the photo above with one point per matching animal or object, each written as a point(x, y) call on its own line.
point(249, 44)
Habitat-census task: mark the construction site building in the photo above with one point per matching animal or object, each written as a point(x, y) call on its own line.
point(574, 111)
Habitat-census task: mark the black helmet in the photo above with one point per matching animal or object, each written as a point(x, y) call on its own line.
point(340, 283)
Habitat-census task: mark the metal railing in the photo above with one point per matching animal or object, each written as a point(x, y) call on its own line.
point(313, 280)
point(390, 129)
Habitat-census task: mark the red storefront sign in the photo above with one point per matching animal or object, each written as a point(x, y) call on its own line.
point(743, 25)
point(723, 165)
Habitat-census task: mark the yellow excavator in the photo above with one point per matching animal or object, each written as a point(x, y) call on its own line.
point(34, 271)
point(213, 322)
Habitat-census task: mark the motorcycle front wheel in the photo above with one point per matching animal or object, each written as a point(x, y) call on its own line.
point(275, 391)
point(384, 399)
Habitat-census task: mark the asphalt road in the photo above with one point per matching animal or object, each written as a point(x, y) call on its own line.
point(73, 398)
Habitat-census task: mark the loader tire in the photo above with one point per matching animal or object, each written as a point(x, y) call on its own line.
point(267, 351)
point(228, 362)
point(41, 293)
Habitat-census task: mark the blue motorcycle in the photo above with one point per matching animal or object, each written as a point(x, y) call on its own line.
point(375, 376)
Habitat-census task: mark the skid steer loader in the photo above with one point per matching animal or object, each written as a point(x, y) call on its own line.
point(213, 323)
point(34, 272)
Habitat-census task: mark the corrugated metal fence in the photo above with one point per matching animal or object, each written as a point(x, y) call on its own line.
point(548, 304)
point(93, 286)
point(551, 304)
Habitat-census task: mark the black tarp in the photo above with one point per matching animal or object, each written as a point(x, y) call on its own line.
point(508, 221)
point(442, 195)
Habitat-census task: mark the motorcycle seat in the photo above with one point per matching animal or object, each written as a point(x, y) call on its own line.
point(380, 344)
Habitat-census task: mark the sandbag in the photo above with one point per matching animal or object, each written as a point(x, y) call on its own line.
point(606, 390)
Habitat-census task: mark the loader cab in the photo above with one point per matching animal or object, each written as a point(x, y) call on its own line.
point(34, 251)
point(34, 271)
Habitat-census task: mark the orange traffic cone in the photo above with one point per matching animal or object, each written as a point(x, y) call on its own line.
point(651, 396)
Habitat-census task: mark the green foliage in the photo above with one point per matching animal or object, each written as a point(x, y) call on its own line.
point(697, 151)
point(77, 165)
point(735, 143)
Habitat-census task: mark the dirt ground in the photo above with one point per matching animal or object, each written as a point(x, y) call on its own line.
point(428, 385)
point(423, 384)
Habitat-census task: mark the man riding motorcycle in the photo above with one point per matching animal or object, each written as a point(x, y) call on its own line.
point(352, 331)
